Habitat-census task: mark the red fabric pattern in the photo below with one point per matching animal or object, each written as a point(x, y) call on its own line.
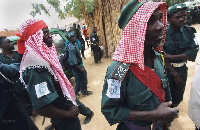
point(21, 46)
point(150, 79)
point(29, 31)
point(85, 33)
point(32, 29)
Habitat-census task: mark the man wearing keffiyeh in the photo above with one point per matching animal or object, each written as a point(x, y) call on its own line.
point(50, 91)
point(135, 92)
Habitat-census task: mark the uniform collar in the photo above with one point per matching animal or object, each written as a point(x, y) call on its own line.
point(171, 30)
point(7, 56)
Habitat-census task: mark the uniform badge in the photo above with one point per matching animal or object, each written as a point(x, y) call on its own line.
point(41, 89)
point(113, 90)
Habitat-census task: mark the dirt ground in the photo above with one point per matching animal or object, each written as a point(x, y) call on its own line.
point(96, 74)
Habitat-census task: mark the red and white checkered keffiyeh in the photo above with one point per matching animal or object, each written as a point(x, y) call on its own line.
point(131, 46)
point(38, 55)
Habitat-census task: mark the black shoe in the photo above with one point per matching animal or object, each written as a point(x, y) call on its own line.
point(88, 118)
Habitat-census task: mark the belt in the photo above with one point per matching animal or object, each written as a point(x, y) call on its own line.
point(178, 64)
point(132, 126)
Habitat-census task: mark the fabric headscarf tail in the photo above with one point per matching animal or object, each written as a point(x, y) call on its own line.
point(20, 44)
point(31, 32)
point(131, 46)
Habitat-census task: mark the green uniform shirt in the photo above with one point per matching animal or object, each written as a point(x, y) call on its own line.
point(7, 60)
point(44, 90)
point(18, 87)
point(74, 55)
point(181, 42)
point(134, 95)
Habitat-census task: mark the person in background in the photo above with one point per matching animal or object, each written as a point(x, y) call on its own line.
point(50, 92)
point(9, 56)
point(180, 46)
point(83, 26)
point(85, 34)
point(188, 18)
point(97, 52)
point(58, 27)
point(136, 92)
point(76, 64)
point(82, 41)
point(78, 43)
point(12, 114)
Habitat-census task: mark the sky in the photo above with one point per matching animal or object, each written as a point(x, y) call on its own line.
point(14, 12)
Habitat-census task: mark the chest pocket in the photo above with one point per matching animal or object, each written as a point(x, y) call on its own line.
point(139, 97)
point(170, 46)
point(142, 101)
point(186, 41)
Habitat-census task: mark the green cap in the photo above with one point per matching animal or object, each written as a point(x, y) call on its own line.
point(128, 11)
point(175, 8)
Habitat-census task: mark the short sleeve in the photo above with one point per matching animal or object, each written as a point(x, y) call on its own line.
point(111, 104)
point(193, 48)
point(40, 87)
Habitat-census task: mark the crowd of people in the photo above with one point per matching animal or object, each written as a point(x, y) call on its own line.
point(143, 86)
point(195, 14)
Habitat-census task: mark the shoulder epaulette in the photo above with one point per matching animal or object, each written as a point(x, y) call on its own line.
point(120, 71)
point(190, 28)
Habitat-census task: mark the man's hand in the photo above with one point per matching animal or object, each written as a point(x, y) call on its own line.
point(73, 112)
point(167, 57)
point(165, 113)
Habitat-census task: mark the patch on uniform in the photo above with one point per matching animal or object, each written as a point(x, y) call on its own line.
point(113, 90)
point(41, 89)
point(196, 41)
point(120, 71)
point(178, 7)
